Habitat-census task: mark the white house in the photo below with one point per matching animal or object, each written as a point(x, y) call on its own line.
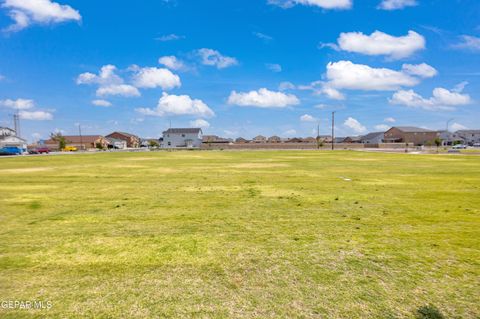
point(469, 136)
point(8, 138)
point(116, 143)
point(5, 131)
point(182, 138)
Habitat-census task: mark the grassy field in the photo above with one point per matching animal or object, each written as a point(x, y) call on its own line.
point(280, 234)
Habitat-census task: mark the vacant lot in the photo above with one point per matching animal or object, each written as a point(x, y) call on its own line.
point(241, 234)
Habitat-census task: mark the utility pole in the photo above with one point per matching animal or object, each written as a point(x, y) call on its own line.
point(333, 130)
point(16, 123)
point(81, 139)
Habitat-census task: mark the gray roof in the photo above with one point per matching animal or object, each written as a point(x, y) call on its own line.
point(412, 129)
point(468, 131)
point(183, 131)
point(372, 135)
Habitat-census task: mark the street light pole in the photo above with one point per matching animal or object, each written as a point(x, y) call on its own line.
point(333, 130)
point(448, 123)
point(81, 139)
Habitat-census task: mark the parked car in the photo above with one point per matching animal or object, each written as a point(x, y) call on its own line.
point(39, 150)
point(459, 147)
point(69, 149)
point(476, 145)
point(11, 150)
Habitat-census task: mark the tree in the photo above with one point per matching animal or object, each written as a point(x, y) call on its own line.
point(319, 142)
point(153, 144)
point(60, 139)
point(438, 142)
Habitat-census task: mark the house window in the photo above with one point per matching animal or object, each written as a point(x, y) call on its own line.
point(183, 135)
point(169, 143)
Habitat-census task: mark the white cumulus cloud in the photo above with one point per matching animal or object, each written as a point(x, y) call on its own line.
point(396, 4)
point(108, 82)
point(421, 70)
point(125, 90)
point(172, 62)
point(201, 123)
point(19, 104)
point(382, 127)
point(263, 98)
point(442, 99)
point(379, 43)
point(347, 75)
point(390, 120)
point(156, 77)
point(468, 42)
point(355, 125)
point(274, 67)
point(27, 12)
point(170, 37)
point(103, 103)
point(214, 58)
point(36, 115)
point(178, 105)
point(457, 127)
point(307, 118)
point(324, 4)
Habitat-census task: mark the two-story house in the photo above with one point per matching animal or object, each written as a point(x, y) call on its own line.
point(182, 138)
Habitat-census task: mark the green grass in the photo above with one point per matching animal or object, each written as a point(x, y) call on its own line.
point(284, 234)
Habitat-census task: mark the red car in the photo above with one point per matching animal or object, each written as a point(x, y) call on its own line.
point(39, 150)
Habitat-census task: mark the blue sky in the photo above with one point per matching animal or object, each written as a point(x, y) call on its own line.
point(239, 68)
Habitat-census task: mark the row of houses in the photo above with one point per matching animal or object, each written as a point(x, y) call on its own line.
point(194, 138)
point(417, 136)
point(115, 140)
point(398, 134)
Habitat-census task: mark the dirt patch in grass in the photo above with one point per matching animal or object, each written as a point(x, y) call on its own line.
point(25, 170)
point(272, 191)
point(212, 188)
point(259, 165)
point(134, 159)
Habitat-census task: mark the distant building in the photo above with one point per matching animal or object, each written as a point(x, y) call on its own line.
point(259, 139)
point(133, 141)
point(449, 138)
point(214, 139)
point(309, 140)
point(274, 139)
point(8, 138)
point(410, 134)
point(352, 139)
point(373, 138)
point(6, 131)
point(83, 142)
point(182, 138)
point(150, 142)
point(295, 140)
point(325, 138)
point(470, 137)
point(116, 143)
point(241, 140)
